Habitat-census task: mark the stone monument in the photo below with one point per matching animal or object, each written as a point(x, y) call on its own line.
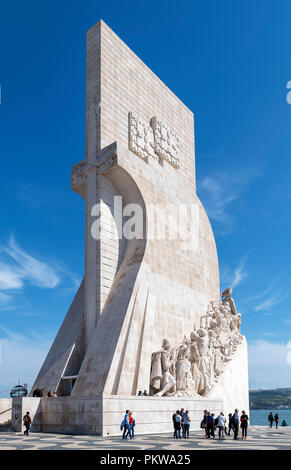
point(148, 314)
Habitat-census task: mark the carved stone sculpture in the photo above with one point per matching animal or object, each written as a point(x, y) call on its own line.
point(162, 381)
point(153, 140)
point(229, 300)
point(141, 137)
point(195, 365)
point(166, 142)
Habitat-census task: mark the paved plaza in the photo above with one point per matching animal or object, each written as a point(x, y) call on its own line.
point(260, 438)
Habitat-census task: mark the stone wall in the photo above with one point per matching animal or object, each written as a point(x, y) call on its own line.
point(103, 415)
point(20, 405)
point(233, 385)
point(5, 409)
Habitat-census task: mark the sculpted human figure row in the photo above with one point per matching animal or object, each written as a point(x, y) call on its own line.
point(193, 367)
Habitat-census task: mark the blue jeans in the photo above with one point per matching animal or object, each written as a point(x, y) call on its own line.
point(27, 428)
point(186, 428)
point(126, 431)
point(177, 433)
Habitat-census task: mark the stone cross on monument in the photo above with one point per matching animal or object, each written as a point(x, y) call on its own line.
point(139, 290)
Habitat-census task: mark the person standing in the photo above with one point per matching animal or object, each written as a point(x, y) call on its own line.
point(276, 419)
point(244, 424)
point(230, 424)
point(215, 423)
point(221, 425)
point(182, 414)
point(270, 419)
point(210, 425)
point(186, 425)
point(178, 425)
point(174, 422)
point(203, 424)
point(235, 423)
point(27, 423)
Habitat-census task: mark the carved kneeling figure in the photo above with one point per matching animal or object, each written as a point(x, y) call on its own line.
point(162, 381)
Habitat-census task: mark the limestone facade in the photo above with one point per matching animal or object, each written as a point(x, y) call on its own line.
point(140, 146)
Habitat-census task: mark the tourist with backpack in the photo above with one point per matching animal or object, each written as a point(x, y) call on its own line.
point(27, 423)
point(125, 426)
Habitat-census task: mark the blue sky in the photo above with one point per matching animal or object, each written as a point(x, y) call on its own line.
point(230, 63)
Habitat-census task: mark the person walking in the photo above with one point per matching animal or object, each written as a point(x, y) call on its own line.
point(178, 425)
point(276, 419)
point(235, 423)
point(244, 424)
point(271, 419)
point(221, 425)
point(131, 420)
point(125, 426)
point(186, 424)
point(27, 423)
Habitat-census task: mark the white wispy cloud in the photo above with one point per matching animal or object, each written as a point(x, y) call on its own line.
point(219, 190)
point(233, 278)
point(270, 302)
point(29, 268)
point(260, 295)
point(19, 268)
point(240, 274)
point(10, 278)
point(268, 364)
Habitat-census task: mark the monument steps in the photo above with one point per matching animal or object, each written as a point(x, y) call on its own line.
point(6, 426)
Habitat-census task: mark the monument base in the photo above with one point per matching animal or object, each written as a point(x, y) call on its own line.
point(103, 415)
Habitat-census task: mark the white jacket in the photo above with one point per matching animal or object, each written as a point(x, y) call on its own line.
point(221, 420)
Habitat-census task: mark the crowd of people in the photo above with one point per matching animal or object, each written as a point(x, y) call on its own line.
point(181, 423)
point(210, 424)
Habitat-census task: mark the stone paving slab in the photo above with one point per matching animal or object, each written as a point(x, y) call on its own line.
point(259, 438)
